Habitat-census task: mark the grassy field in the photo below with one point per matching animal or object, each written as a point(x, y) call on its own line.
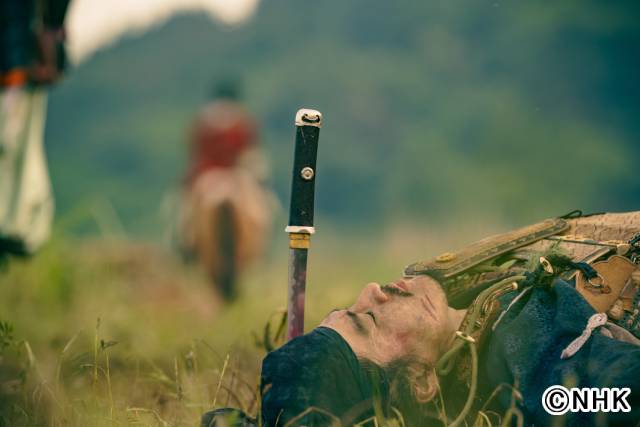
point(104, 332)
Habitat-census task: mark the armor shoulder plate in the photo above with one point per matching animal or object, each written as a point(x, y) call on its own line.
point(450, 264)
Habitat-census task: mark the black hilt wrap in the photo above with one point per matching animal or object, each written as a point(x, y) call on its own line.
point(303, 181)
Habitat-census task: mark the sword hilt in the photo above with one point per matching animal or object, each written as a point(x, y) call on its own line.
point(303, 180)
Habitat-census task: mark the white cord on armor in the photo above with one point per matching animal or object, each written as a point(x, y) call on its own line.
point(513, 301)
point(595, 321)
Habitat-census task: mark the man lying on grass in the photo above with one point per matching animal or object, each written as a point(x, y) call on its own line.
point(381, 351)
point(402, 352)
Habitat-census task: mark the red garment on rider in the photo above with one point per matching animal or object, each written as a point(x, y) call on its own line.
point(222, 132)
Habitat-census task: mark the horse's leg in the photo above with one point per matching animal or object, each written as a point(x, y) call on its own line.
point(226, 271)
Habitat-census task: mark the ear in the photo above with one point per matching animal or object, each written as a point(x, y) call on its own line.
point(424, 383)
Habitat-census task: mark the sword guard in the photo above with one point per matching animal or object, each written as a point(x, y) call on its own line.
point(299, 229)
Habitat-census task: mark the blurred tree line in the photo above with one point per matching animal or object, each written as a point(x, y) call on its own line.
point(433, 110)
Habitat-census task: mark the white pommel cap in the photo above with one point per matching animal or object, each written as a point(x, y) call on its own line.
point(307, 117)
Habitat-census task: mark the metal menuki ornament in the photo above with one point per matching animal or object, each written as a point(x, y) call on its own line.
point(300, 228)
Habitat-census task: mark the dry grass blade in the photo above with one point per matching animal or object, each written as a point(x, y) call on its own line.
point(335, 421)
point(63, 353)
point(224, 368)
point(153, 412)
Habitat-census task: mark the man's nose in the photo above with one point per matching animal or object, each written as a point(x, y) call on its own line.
point(370, 296)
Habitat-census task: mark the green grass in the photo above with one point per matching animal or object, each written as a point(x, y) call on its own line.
point(120, 333)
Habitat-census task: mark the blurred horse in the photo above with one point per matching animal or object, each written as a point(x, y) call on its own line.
point(225, 223)
point(225, 213)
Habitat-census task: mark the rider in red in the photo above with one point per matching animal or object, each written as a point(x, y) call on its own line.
point(221, 133)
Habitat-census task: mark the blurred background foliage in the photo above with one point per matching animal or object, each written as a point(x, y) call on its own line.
point(512, 111)
point(445, 121)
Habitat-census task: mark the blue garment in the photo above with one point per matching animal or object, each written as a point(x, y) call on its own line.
point(320, 371)
point(525, 350)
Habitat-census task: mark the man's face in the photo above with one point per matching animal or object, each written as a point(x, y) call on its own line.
point(408, 318)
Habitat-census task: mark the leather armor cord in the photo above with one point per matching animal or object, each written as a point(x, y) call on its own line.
point(465, 337)
point(447, 361)
point(300, 228)
point(473, 382)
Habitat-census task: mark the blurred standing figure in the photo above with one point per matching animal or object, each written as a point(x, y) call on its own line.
point(225, 210)
point(31, 58)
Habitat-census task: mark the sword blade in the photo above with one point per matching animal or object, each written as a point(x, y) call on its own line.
point(297, 288)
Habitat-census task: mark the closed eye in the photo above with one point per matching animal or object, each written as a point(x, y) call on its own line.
point(373, 316)
point(334, 310)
